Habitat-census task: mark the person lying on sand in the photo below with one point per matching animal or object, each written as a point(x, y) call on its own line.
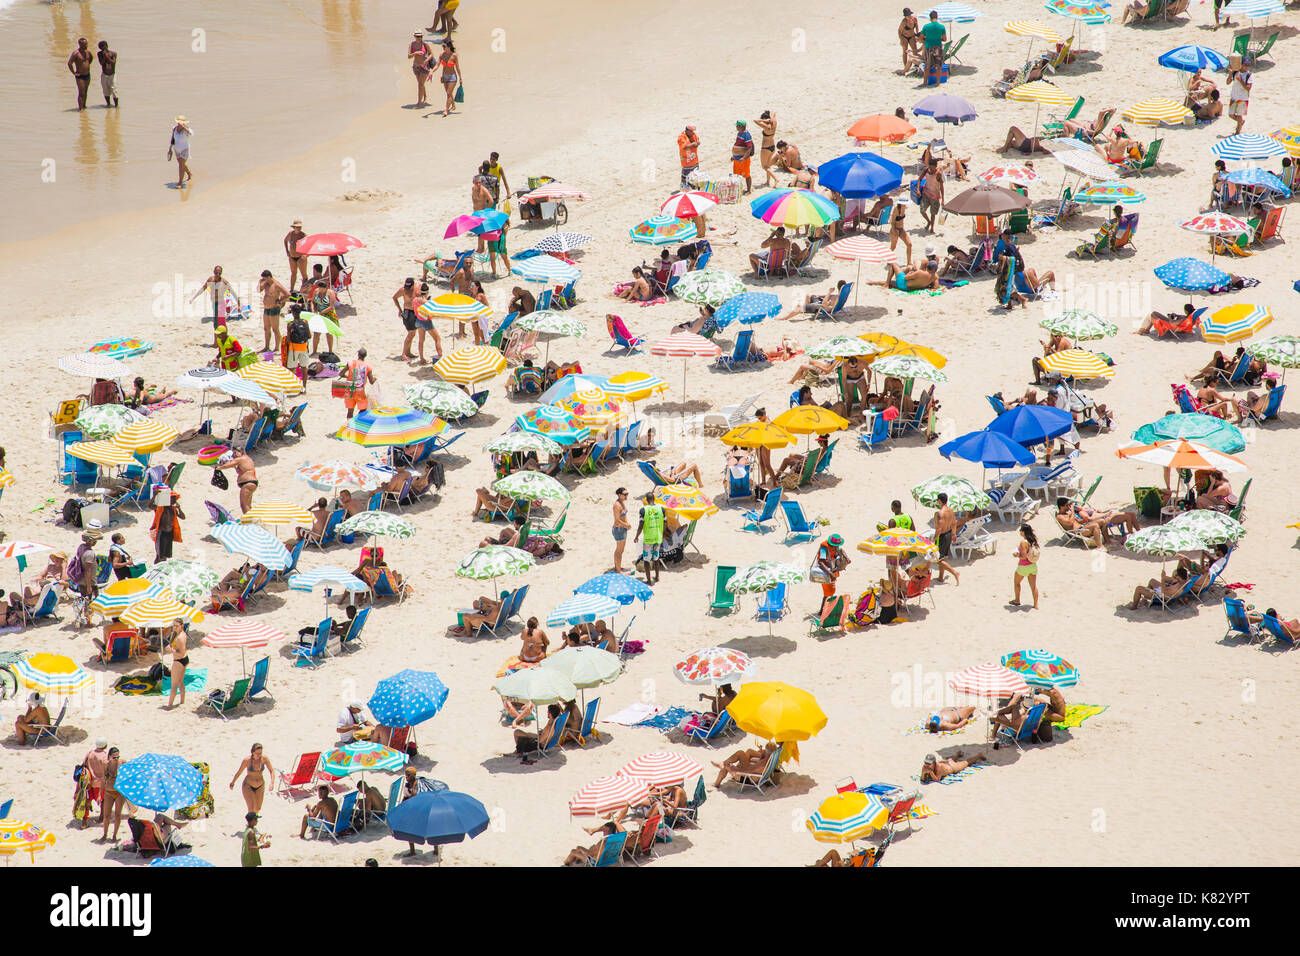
point(949, 718)
point(858, 858)
point(1016, 139)
point(142, 394)
point(934, 769)
point(745, 762)
point(909, 278)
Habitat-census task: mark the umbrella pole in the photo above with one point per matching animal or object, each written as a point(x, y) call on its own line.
point(857, 284)
point(683, 380)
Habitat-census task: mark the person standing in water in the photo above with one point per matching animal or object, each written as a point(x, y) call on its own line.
point(108, 74)
point(79, 61)
point(180, 148)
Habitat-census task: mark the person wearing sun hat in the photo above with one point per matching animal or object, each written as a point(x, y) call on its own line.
point(830, 561)
point(179, 146)
point(252, 843)
point(742, 151)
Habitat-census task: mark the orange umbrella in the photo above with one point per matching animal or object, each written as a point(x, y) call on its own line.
point(881, 128)
point(1181, 453)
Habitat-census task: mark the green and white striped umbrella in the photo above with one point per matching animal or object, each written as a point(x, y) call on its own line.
point(522, 442)
point(494, 561)
point(105, 421)
point(1079, 325)
point(440, 398)
point(908, 366)
point(842, 346)
point(530, 486)
point(550, 322)
point(378, 523)
point(1211, 527)
point(708, 287)
point(1164, 540)
point(1282, 350)
point(763, 576)
point(190, 581)
point(962, 493)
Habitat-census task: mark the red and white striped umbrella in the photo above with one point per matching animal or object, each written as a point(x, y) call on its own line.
point(607, 794)
point(1014, 174)
point(688, 205)
point(243, 634)
point(22, 549)
point(662, 769)
point(862, 249)
point(988, 680)
point(685, 345)
point(1215, 224)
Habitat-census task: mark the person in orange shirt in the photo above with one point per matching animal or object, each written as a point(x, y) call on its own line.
point(688, 145)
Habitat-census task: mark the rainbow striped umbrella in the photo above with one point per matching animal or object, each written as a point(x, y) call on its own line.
point(1288, 136)
point(793, 208)
point(1156, 110)
point(277, 511)
point(52, 674)
point(685, 345)
point(1236, 322)
point(454, 306)
point(145, 436)
point(895, 541)
point(271, 376)
point(633, 386)
point(1078, 363)
point(607, 794)
point(660, 768)
point(335, 473)
point(120, 348)
point(556, 423)
point(19, 836)
point(120, 595)
point(988, 680)
point(159, 612)
point(1111, 191)
point(1215, 224)
point(689, 204)
point(846, 817)
point(715, 666)
point(360, 756)
point(593, 408)
point(686, 501)
point(471, 365)
point(662, 231)
point(100, 452)
point(385, 425)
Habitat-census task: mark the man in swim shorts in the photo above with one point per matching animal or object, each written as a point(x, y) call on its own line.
point(742, 151)
point(79, 66)
point(274, 295)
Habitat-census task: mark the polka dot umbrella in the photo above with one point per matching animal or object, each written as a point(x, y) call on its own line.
point(408, 697)
point(160, 782)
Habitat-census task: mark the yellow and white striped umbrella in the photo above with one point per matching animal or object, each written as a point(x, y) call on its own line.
point(52, 674)
point(634, 386)
point(1033, 28)
point(146, 436)
point(159, 612)
point(1156, 110)
point(120, 595)
point(6, 479)
point(1044, 94)
point(455, 306)
point(1078, 363)
point(1236, 322)
point(278, 511)
point(471, 365)
point(100, 452)
point(272, 377)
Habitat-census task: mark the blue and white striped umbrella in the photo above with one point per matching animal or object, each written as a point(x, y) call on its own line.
point(545, 269)
point(1258, 177)
point(1192, 57)
point(329, 577)
point(583, 609)
point(1190, 274)
point(408, 697)
point(568, 385)
point(159, 782)
point(1248, 146)
point(747, 308)
point(185, 859)
point(1255, 9)
point(255, 542)
point(1042, 668)
point(952, 12)
point(623, 588)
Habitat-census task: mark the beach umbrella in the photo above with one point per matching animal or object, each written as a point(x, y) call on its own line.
point(160, 611)
point(986, 199)
point(243, 633)
point(378, 523)
point(563, 242)
point(1042, 668)
point(568, 384)
point(758, 435)
point(685, 501)
point(1077, 363)
point(583, 609)
point(1156, 110)
point(689, 204)
point(622, 588)
point(881, 128)
point(120, 348)
point(93, 365)
point(407, 698)
point(438, 817)
point(747, 309)
point(19, 836)
point(160, 782)
point(1190, 275)
point(17, 549)
point(861, 249)
point(254, 541)
point(595, 409)
point(1192, 57)
point(810, 420)
point(1112, 191)
point(546, 269)
point(105, 421)
point(841, 346)
point(1280, 350)
point(893, 542)
point(988, 680)
point(100, 452)
point(1163, 540)
point(1079, 158)
point(990, 449)
point(455, 307)
point(530, 486)
point(962, 493)
point(556, 423)
point(708, 287)
point(604, 795)
point(321, 324)
point(6, 479)
point(1206, 429)
point(776, 711)
point(462, 224)
point(1256, 9)
point(1260, 178)
point(1035, 30)
point(227, 383)
point(190, 581)
point(361, 756)
point(1040, 93)
point(763, 576)
point(1235, 322)
point(906, 366)
point(1090, 13)
point(903, 347)
point(953, 12)
point(793, 208)
point(328, 244)
point(685, 346)
point(660, 768)
point(714, 666)
point(1182, 453)
point(52, 674)
point(522, 442)
point(272, 377)
point(1248, 146)
point(1288, 136)
point(278, 511)
point(663, 231)
point(846, 817)
point(1079, 325)
point(538, 686)
point(115, 598)
point(184, 860)
point(494, 561)
point(860, 175)
point(1031, 424)
point(586, 667)
point(1212, 527)
point(381, 426)
point(1215, 224)
point(1013, 173)
point(334, 474)
point(945, 108)
point(327, 577)
point(471, 365)
point(632, 386)
point(550, 325)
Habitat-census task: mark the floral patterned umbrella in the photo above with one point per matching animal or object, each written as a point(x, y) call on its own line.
point(1042, 668)
point(105, 421)
point(594, 408)
point(764, 576)
point(531, 486)
point(896, 541)
point(1164, 540)
point(19, 836)
point(686, 501)
point(1014, 173)
point(335, 473)
point(1215, 224)
point(962, 493)
point(1280, 350)
point(1211, 527)
point(360, 756)
point(441, 399)
point(513, 443)
point(1079, 325)
point(190, 581)
point(551, 324)
point(494, 561)
point(841, 346)
point(378, 523)
point(557, 424)
point(715, 666)
point(908, 366)
point(708, 287)
point(663, 230)
point(120, 348)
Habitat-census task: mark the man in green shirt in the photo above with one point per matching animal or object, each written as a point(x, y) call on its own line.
point(933, 34)
point(650, 527)
point(900, 520)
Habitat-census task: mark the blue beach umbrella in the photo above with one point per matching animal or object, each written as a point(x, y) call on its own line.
point(186, 859)
point(159, 782)
point(747, 308)
point(545, 269)
point(493, 219)
point(255, 542)
point(622, 588)
point(408, 697)
point(1031, 424)
point(1190, 275)
point(1192, 57)
point(1259, 177)
point(568, 385)
point(437, 817)
point(583, 609)
point(860, 175)
point(991, 449)
point(1249, 146)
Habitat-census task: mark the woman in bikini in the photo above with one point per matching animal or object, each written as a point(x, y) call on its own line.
point(254, 769)
point(419, 53)
point(451, 77)
point(535, 643)
point(180, 661)
point(898, 230)
point(112, 803)
point(767, 154)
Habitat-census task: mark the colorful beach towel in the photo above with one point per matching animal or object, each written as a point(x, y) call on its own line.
point(171, 401)
point(667, 719)
point(952, 777)
point(918, 292)
point(1076, 714)
point(120, 348)
point(920, 729)
point(632, 714)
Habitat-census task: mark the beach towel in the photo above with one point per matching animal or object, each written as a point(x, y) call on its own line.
point(1076, 714)
point(920, 729)
point(918, 292)
point(1245, 284)
point(196, 678)
point(633, 714)
point(1239, 586)
point(135, 685)
point(666, 719)
point(82, 805)
point(513, 664)
point(171, 401)
point(952, 777)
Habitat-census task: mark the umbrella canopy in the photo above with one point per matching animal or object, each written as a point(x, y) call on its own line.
point(522, 442)
point(841, 346)
point(494, 561)
point(1280, 350)
point(1091, 13)
point(438, 817)
point(1077, 363)
point(663, 231)
point(810, 420)
point(893, 542)
point(708, 287)
point(378, 523)
point(100, 452)
point(120, 595)
point(184, 860)
point(563, 242)
point(793, 208)
point(471, 365)
point(361, 756)
point(1112, 191)
point(1156, 110)
point(94, 365)
point(990, 449)
point(986, 199)
point(685, 345)
point(52, 674)
point(1079, 325)
point(1070, 154)
point(227, 382)
point(159, 612)
point(1013, 173)
point(1209, 431)
point(583, 609)
point(1190, 275)
point(905, 366)
point(764, 576)
point(1031, 424)
point(476, 223)
point(593, 408)
point(19, 836)
point(22, 549)
point(1236, 322)
point(606, 794)
point(747, 309)
point(1254, 9)
point(1182, 453)
point(549, 322)
point(689, 204)
point(946, 108)
point(120, 348)
point(846, 817)
point(328, 244)
point(278, 511)
point(568, 384)
point(860, 175)
point(585, 666)
point(335, 473)
point(105, 421)
point(454, 306)
point(861, 249)
point(881, 128)
point(660, 768)
point(1248, 146)
point(555, 190)
point(758, 435)
point(714, 666)
point(407, 698)
point(255, 542)
point(243, 633)
point(1041, 668)
point(622, 588)
point(777, 711)
point(381, 426)
point(531, 486)
point(1033, 28)
point(685, 501)
point(160, 782)
point(327, 576)
point(1040, 92)
point(962, 493)
point(1211, 527)
point(1288, 136)
point(556, 423)
point(545, 269)
point(988, 680)
point(1163, 540)
point(272, 377)
point(901, 347)
point(539, 686)
point(1192, 57)
point(189, 581)
point(1262, 178)
point(633, 386)
point(321, 324)
point(1215, 224)
point(953, 12)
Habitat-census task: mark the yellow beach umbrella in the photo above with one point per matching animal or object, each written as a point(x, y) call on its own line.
point(896, 541)
point(1288, 136)
point(100, 452)
point(145, 436)
point(777, 711)
point(1045, 94)
point(454, 306)
point(278, 511)
point(1156, 110)
point(881, 340)
point(159, 612)
point(6, 479)
point(19, 836)
point(919, 351)
point(846, 817)
point(52, 674)
point(1078, 363)
point(471, 365)
point(115, 598)
point(1033, 28)
point(758, 435)
point(810, 420)
point(272, 377)
point(635, 386)
point(685, 501)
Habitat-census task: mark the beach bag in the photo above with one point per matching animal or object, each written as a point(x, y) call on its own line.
point(460, 93)
point(299, 332)
point(329, 358)
point(156, 672)
point(818, 575)
point(72, 512)
point(219, 480)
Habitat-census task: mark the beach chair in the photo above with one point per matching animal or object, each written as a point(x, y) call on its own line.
point(651, 471)
point(721, 727)
point(301, 778)
point(1099, 243)
point(317, 649)
point(1238, 623)
point(772, 606)
point(644, 845)
point(689, 812)
point(611, 849)
point(46, 605)
point(974, 536)
point(554, 531)
point(556, 739)
point(832, 620)
point(951, 48)
point(882, 221)
point(1240, 508)
point(221, 701)
point(877, 435)
point(840, 301)
point(1055, 480)
point(757, 519)
point(1149, 158)
point(739, 486)
point(217, 513)
point(1055, 125)
point(1188, 590)
point(351, 638)
point(1128, 224)
point(1011, 504)
point(629, 443)
point(1271, 225)
point(1072, 535)
point(759, 780)
point(75, 471)
point(342, 823)
point(50, 731)
point(9, 805)
point(814, 246)
point(1237, 375)
point(773, 265)
point(447, 268)
point(257, 685)
point(587, 729)
point(810, 462)
point(903, 425)
point(722, 600)
point(739, 353)
point(623, 339)
point(292, 423)
point(824, 460)
point(330, 532)
point(1084, 498)
point(517, 602)
point(1273, 407)
point(728, 416)
point(1186, 326)
point(1273, 628)
point(116, 648)
point(1028, 727)
point(797, 526)
point(1257, 50)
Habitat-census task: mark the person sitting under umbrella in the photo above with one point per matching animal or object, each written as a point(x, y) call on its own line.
point(777, 240)
point(491, 503)
point(528, 743)
point(142, 394)
point(1168, 585)
point(1117, 147)
point(814, 304)
point(745, 763)
point(229, 590)
point(587, 856)
point(933, 769)
point(793, 464)
point(1255, 403)
point(326, 809)
point(1016, 139)
point(704, 324)
point(508, 536)
point(484, 610)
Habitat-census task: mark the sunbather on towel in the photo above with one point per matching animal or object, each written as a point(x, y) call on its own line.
point(142, 394)
point(638, 290)
point(949, 718)
point(934, 769)
point(1017, 140)
point(326, 809)
point(1169, 585)
point(745, 763)
point(586, 856)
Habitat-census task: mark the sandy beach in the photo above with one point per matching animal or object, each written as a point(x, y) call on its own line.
point(1193, 724)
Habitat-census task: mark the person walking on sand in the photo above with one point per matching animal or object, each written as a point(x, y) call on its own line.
point(404, 300)
point(255, 770)
point(113, 802)
point(945, 526)
point(420, 54)
point(217, 286)
point(356, 374)
point(1240, 83)
point(1026, 564)
point(767, 154)
point(166, 527)
point(179, 146)
point(931, 195)
point(451, 74)
point(297, 261)
point(94, 763)
point(621, 526)
point(79, 61)
point(688, 147)
point(245, 476)
point(274, 296)
point(108, 73)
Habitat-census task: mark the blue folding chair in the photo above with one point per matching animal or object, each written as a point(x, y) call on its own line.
point(721, 727)
point(342, 823)
point(797, 526)
point(738, 486)
point(739, 353)
point(611, 849)
point(309, 654)
point(755, 520)
point(1273, 627)
point(1027, 727)
point(1238, 623)
point(261, 670)
point(773, 605)
point(878, 435)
